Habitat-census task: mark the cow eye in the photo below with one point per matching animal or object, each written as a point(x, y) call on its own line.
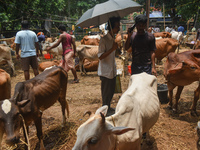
point(93, 141)
point(193, 67)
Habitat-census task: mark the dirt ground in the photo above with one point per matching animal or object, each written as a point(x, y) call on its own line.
point(172, 131)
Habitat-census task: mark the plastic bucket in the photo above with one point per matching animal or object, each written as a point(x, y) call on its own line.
point(162, 91)
point(47, 56)
point(129, 69)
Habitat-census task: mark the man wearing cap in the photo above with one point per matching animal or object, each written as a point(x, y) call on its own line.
point(143, 47)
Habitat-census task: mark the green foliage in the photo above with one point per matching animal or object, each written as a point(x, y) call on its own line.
point(12, 12)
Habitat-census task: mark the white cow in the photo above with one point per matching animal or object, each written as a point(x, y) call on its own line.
point(57, 51)
point(177, 35)
point(136, 112)
point(6, 58)
point(86, 51)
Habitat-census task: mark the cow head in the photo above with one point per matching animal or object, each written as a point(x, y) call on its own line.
point(96, 133)
point(183, 73)
point(11, 119)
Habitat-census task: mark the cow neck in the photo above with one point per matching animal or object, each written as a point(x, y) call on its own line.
point(116, 141)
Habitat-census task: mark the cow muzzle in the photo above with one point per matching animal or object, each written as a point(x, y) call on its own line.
point(12, 140)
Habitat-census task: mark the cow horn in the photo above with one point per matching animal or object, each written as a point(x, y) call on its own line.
point(16, 97)
point(23, 102)
point(103, 117)
point(87, 112)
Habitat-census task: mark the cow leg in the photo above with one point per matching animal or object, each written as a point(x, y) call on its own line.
point(178, 93)
point(11, 64)
point(170, 91)
point(38, 124)
point(194, 104)
point(64, 105)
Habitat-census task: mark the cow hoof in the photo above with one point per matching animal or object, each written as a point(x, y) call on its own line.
point(194, 113)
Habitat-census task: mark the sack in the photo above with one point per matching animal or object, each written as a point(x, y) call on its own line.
point(118, 88)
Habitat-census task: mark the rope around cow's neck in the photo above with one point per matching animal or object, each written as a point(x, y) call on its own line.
point(116, 141)
point(26, 134)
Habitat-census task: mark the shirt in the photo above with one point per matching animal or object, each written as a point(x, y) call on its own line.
point(107, 66)
point(26, 39)
point(41, 38)
point(142, 45)
point(181, 29)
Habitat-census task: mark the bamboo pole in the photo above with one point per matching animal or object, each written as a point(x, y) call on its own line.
point(6, 39)
point(147, 13)
point(164, 14)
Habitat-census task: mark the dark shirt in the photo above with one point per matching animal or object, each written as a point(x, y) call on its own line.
point(142, 45)
point(41, 38)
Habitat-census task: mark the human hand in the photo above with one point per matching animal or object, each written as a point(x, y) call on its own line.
point(153, 71)
point(48, 49)
point(115, 45)
point(17, 56)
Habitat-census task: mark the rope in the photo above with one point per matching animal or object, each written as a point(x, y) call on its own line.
point(116, 135)
point(26, 134)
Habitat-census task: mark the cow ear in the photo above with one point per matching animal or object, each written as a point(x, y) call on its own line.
point(176, 69)
point(102, 110)
point(23, 103)
point(120, 130)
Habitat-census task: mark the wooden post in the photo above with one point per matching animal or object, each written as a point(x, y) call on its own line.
point(164, 15)
point(147, 13)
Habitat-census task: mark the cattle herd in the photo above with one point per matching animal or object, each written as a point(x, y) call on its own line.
point(136, 112)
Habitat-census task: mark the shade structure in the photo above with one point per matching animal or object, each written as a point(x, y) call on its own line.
point(100, 13)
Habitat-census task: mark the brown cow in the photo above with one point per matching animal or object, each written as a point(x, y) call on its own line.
point(47, 64)
point(162, 34)
point(90, 41)
point(164, 47)
point(86, 51)
point(5, 85)
point(89, 65)
point(6, 58)
point(30, 99)
point(180, 70)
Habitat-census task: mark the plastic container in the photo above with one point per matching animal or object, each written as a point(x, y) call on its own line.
point(129, 69)
point(47, 56)
point(162, 91)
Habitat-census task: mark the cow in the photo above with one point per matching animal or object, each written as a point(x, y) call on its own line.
point(87, 51)
point(180, 70)
point(90, 41)
point(120, 39)
point(177, 35)
point(162, 34)
point(56, 52)
point(5, 85)
point(88, 65)
point(164, 47)
point(6, 58)
point(47, 64)
point(135, 114)
point(30, 99)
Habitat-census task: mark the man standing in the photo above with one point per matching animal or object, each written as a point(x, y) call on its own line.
point(143, 47)
point(68, 53)
point(41, 38)
point(107, 64)
point(27, 40)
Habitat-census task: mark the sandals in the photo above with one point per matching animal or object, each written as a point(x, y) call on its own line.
point(76, 81)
